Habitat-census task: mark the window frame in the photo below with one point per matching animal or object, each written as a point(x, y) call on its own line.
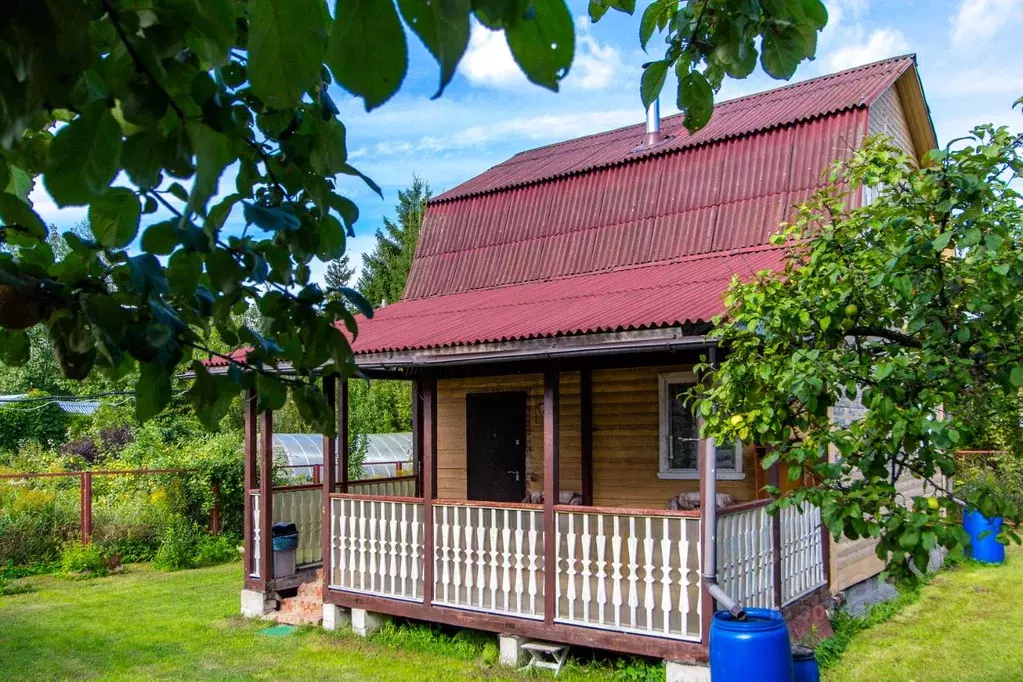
point(664, 471)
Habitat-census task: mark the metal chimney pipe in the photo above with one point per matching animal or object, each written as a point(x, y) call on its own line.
point(653, 124)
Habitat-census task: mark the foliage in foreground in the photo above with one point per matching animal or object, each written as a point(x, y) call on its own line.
point(165, 96)
point(905, 306)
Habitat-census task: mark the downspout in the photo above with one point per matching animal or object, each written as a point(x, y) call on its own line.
point(710, 524)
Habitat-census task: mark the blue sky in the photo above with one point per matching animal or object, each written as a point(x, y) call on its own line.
point(967, 50)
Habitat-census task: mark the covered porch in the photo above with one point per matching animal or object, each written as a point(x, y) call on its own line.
point(592, 558)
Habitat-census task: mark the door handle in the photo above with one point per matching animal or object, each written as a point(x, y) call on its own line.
point(515, 473)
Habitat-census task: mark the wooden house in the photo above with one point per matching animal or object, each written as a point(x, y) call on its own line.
point(552, 317)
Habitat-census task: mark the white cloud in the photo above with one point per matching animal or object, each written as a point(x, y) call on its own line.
point(879, 44)
point(979, 20)
point(488, 61)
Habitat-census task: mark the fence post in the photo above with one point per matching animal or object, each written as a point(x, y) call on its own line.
point(216, 511)
point(86, 511)
point(316, 474)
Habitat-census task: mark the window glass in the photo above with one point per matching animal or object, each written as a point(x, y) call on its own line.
point(684, 435)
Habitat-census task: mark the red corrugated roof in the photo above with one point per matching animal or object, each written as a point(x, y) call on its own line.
point(727, 195)
point(739, 117)
point(589, 236)
point(641, 297)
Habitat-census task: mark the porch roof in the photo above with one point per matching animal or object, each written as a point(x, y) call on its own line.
point(685, 291)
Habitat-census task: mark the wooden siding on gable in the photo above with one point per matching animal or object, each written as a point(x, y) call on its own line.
point(887, 116)
point(625, 437)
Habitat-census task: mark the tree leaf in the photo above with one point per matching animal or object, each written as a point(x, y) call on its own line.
point(213, 151)
point(14, 211)
point(696, 99)
point(816, 12)
point(597, 9)
point(270, 219)
point(443, 26)
point(781, 52)
point(348, 169)
point(358, 300)
point(160, 238)
point(152, 390)
point(84, 157)
point(287, 42)
point(114, 217)
point(1016, 376)
point(648, 23)
point(332, 239)
point(652, 81)
point(140, 161)
point(15, 347)
point(364, 33)
point(542, 41)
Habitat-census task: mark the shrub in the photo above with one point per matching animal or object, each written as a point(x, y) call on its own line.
point(215, 549)
point(81, 450)
point(83, 561)
point(177, 546)
point(183, 545)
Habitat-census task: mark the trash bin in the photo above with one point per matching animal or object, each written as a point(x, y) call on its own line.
point(285, 541)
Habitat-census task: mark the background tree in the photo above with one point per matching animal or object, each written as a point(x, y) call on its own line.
point(910, 305)
point(385, 269)
point(164, 96)
point(338, 275)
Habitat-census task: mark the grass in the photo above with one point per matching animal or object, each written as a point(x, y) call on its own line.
point(171, 626)
point(966, 625)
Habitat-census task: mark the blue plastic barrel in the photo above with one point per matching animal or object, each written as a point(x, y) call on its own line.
point(755, 648)
point(804, 665)
point(986, 549)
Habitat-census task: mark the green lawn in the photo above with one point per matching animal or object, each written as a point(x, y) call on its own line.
point(153, 625)
point(967, 626)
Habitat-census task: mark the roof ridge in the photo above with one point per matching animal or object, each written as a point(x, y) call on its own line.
point(522, 157)
point(692, 258)
point(729, 102)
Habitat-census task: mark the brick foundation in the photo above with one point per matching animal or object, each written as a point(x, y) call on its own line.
point(808, 618)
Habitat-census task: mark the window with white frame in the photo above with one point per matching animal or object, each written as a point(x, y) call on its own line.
point(680, 434)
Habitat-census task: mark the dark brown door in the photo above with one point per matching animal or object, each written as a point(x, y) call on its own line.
point(496, 446)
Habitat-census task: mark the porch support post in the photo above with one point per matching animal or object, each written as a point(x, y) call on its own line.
point(266, 495)
point(551, 467)
point(774, 478)
point(707, 610)
point(342, 433)
point(429, 481)
point(417, 434)
point(586, 435)
point(327, 474)
point(250, 476)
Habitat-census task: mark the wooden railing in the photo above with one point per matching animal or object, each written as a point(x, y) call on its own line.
point(622, 570)
point(745, 554)
point(399, 486)
point(377, 546)
point(629, 571)
point(802, 552)
point(302, 505)
point(489, 557)
point(256, 535)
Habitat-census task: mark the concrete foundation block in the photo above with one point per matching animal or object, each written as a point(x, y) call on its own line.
point(335, 617)
point(511, 650)
point(365, 623)
point(676, 671)
point(255, 604)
